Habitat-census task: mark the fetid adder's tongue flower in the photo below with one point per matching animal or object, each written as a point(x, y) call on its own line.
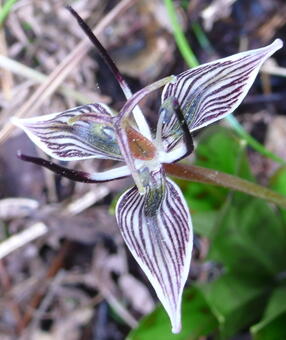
point(153, 216)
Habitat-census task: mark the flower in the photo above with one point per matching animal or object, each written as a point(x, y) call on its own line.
point(153, 216)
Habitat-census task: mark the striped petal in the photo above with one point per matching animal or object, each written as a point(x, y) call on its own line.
point(157, 229)
point(82, 132)
point(211, 91)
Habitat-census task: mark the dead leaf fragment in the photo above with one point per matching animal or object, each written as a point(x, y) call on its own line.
point(218, 9)
point(137, 293)
point(17, 208)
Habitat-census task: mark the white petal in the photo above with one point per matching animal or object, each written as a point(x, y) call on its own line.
point(173, 155)
point(211, 91)
point(111, 174)
point(158, 231)
point(80, 133)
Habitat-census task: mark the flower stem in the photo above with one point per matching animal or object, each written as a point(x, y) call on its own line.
point(203, 175)
point(138, 96)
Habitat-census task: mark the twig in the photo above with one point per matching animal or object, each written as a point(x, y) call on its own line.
point(87, 200)
point(104, 284)
point(47, 300)
point(19, 240)
point(270, 67)
point(6, 76)
point(118, 307)
point(27, 72)
point(12, 304)
point(54, 268)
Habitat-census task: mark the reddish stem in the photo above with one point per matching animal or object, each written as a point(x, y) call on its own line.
point(203, 175)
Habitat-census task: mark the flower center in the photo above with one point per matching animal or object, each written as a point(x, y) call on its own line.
point(140, 146)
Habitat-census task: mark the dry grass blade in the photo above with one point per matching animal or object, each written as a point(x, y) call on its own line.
point(17, 207)
point(40, 229)
point(271, 67)
point(87, 200)
point(6, 75)
point(119, 307)
point(19, 240)
point(27, 72)
point(63, 69)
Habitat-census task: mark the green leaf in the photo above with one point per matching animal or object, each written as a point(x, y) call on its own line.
point(214, 144)
point(5, 10)
point(197, 320)
point(203, 222)
point(278, 183)
point(250, 239)
point(235, 302)
point(221, 149)
point(203, 197)
point(272, 326)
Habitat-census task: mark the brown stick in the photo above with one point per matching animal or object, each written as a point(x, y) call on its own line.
point(5, 282)
point(55, 266)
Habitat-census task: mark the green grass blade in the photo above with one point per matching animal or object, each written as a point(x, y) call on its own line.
point(201, 37)
point(5, 10)
point(252, 141)
point(179, 36)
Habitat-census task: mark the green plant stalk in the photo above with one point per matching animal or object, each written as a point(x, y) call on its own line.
point(179, 36)
point(191, 60)
point(203, 175)
point(5, 10)
point(201, 37)
point(252, 141)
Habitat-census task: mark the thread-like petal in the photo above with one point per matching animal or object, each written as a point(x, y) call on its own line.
point(77, 175)
point(157, 229)
point(79, 133)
